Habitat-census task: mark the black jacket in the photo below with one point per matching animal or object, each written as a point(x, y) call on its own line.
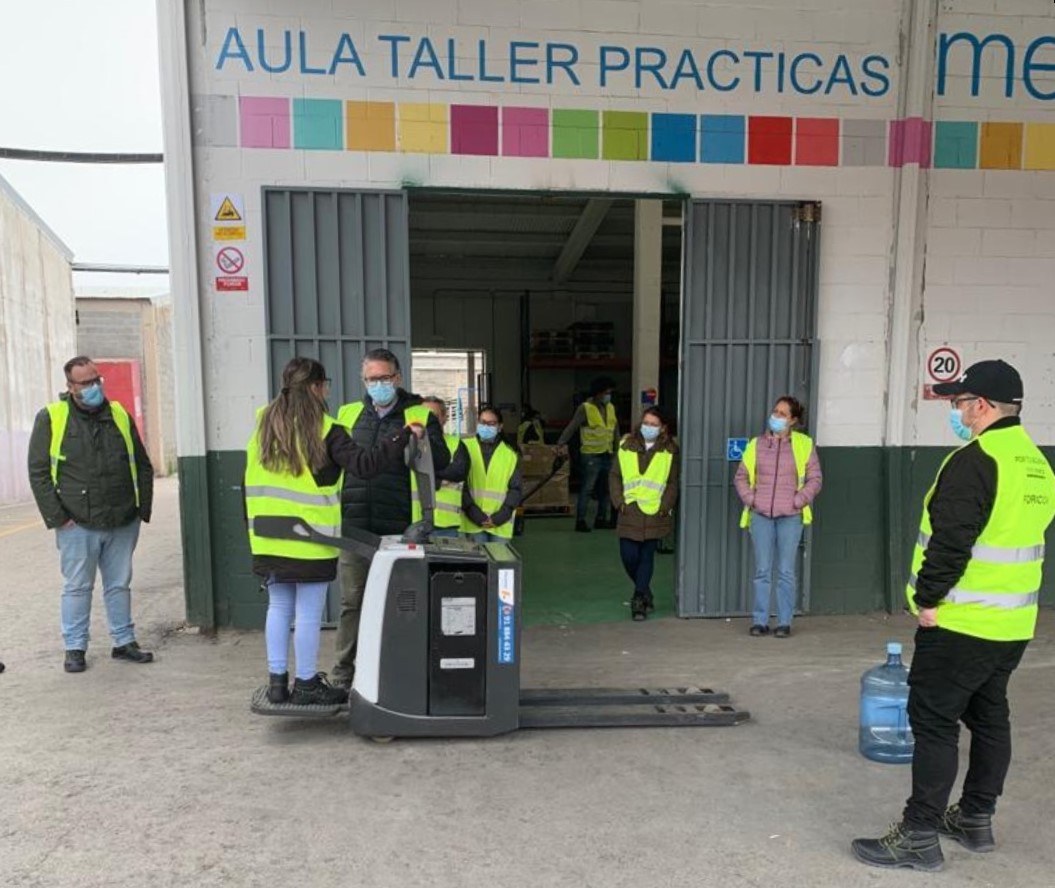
point(959, 510)
point(469, 507)
point(457, 469)
point(95, 487)
point(353, 460)
point(382, 504)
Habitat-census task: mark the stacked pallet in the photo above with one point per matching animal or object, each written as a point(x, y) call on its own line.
point(536, 462)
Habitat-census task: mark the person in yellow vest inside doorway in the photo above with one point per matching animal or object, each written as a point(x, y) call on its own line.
point(643, 485)
point(94, 486)
point(777, 481)
point(294, 463)
point(387, 503)
point(595, 421)
point(447, 518)
point(973, 587)
point(492, 493)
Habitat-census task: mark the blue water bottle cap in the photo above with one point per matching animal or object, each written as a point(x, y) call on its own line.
point(893, 647)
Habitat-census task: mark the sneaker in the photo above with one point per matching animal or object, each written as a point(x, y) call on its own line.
point(973, 831)
point(757, 630)
point(901, 848)
point(638, 608)
point(317, 691)
point(278, 687)
point(132, 652)
point(782, 632)
point(582, 527)
point(75, 661)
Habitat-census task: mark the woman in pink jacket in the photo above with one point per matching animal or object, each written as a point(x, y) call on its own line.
point(777, 481)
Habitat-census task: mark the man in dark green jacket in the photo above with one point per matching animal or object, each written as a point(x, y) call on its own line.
point(94, 485)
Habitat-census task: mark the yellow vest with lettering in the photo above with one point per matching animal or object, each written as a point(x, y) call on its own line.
point(597, 432)
point(801, 448)
point(59, 412)
point(645, 489)
point(490, 485)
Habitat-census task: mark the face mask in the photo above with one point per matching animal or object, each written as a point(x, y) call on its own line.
point(956, 423)
point(606, 399)
point(777, 424)
point(487, 433)
point(93, 396)
point(381, 393)
point(649, 432)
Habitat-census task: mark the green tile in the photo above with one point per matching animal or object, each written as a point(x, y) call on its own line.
point(575, 134)
point(955, 145)
point(625, 135)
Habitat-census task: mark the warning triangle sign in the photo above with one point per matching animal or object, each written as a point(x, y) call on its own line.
point(228, 212)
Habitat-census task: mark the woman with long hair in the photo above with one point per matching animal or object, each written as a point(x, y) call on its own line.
point(492, 492)
point(294, 465)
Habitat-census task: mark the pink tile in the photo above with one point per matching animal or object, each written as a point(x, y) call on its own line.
point(910, 142)
point(525, 132)
point(474, 129)
point(264, 122)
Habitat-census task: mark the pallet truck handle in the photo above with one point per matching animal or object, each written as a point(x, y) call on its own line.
point(418, 457)
point(285, 527)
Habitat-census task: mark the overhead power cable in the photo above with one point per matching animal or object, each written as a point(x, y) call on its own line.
point(78, 156)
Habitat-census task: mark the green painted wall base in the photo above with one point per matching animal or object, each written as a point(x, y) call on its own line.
point(866, 520)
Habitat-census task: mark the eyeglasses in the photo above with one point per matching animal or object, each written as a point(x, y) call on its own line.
point(97, 380)
point(486, 423)
point(964, 399)
point(370, 380)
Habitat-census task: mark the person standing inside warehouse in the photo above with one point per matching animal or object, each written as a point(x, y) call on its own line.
point(387, 503)
point(974, 588)
point(492, 493)
point(94, 485)
point(598, 429)
point(643, 485)
point(447, 520)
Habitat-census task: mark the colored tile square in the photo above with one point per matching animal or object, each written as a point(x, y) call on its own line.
point(816, 141)
point(1040, 146)
point(214, 121)
point(525, 132)
point(955, 145)
point(722, 138)
point(769, 140)
point(371, 126)
point(1001, 146)
point(624, 135)
point(575, 133)
point(910, 142)
point(318, 124)
point(674, 138)
point(474, 129)
point(264, 123)
point(864, 143)
point(423, 128)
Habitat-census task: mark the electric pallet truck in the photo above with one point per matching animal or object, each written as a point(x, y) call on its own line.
point(439, 643)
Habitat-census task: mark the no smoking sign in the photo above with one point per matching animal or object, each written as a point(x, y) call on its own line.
point(230, 270)
point(230, 260)
point(943, 365)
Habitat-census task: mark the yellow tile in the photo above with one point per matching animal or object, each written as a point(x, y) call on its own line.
point(423, 128)
point(1001, 146)
point(371, 126)
point(1040, 146)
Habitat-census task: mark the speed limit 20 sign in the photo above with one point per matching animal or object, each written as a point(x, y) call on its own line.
point(943, 365)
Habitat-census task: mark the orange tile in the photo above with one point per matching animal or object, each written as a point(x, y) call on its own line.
point(371, 126)
point(1001, 146)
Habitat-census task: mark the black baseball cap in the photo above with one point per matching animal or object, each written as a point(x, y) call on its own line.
point(992, 380)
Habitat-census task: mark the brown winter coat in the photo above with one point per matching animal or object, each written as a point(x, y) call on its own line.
point(633, 523)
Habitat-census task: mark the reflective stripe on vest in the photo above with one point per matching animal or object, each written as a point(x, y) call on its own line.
point(349, 415)
point(597, 432)
point(645, 490)
point(59, 413)
point(801, 449)
point(490, 485)
point(296, 496)
point(449, 496)
point(996, 597)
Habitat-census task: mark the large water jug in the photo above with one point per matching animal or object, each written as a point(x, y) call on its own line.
point(885, 735)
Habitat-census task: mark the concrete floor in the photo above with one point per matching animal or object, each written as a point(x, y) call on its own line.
point(159, 776)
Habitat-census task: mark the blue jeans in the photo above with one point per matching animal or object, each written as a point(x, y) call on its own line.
point(595, 468)
point(82, 552)
point(486, 537)
point(449, 532)
point(305, 601)
point(779, 538)
point(639, 562)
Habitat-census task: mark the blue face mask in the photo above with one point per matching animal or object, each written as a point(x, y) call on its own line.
point(777, 424)
point(93, 396)
point(381, 393)
point(606, 398)
point(649, 432)
point(956, 423)
point(487, 433)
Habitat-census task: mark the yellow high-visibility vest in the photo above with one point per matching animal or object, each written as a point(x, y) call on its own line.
point(349, 415)
point(449, 496)
point(801, 448)
point(490, 485)
point(298, 496)
point(59, 412)
point(645, 489)
point(597, 433)
point(997, 596)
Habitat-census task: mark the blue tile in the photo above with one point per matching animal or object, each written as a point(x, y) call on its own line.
point(674, 137)
point(722, 138)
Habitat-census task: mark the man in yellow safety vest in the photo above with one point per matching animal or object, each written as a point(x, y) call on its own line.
point(447, 518)
point(974, 588)
point(598, 429)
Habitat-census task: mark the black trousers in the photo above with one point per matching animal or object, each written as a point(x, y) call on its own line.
point(639, 560)
point(954, 678)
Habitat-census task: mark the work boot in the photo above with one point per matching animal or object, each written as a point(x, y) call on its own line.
point(278, 687)
point(342, 679)
point(604, 524)
point(132, 652)
point(75, 661)
point(649, 603)
point(317, 691)
point(638, 608)
point(901, 848)
point(582, 527)
point(782, 632)
point(757, 630)
point(973, 831)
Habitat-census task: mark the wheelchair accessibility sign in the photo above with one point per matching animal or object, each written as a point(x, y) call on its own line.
point(734, 449)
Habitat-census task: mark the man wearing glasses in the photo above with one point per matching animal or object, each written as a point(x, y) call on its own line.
point(94, 485)
point(974, 589)
point(385, 504)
